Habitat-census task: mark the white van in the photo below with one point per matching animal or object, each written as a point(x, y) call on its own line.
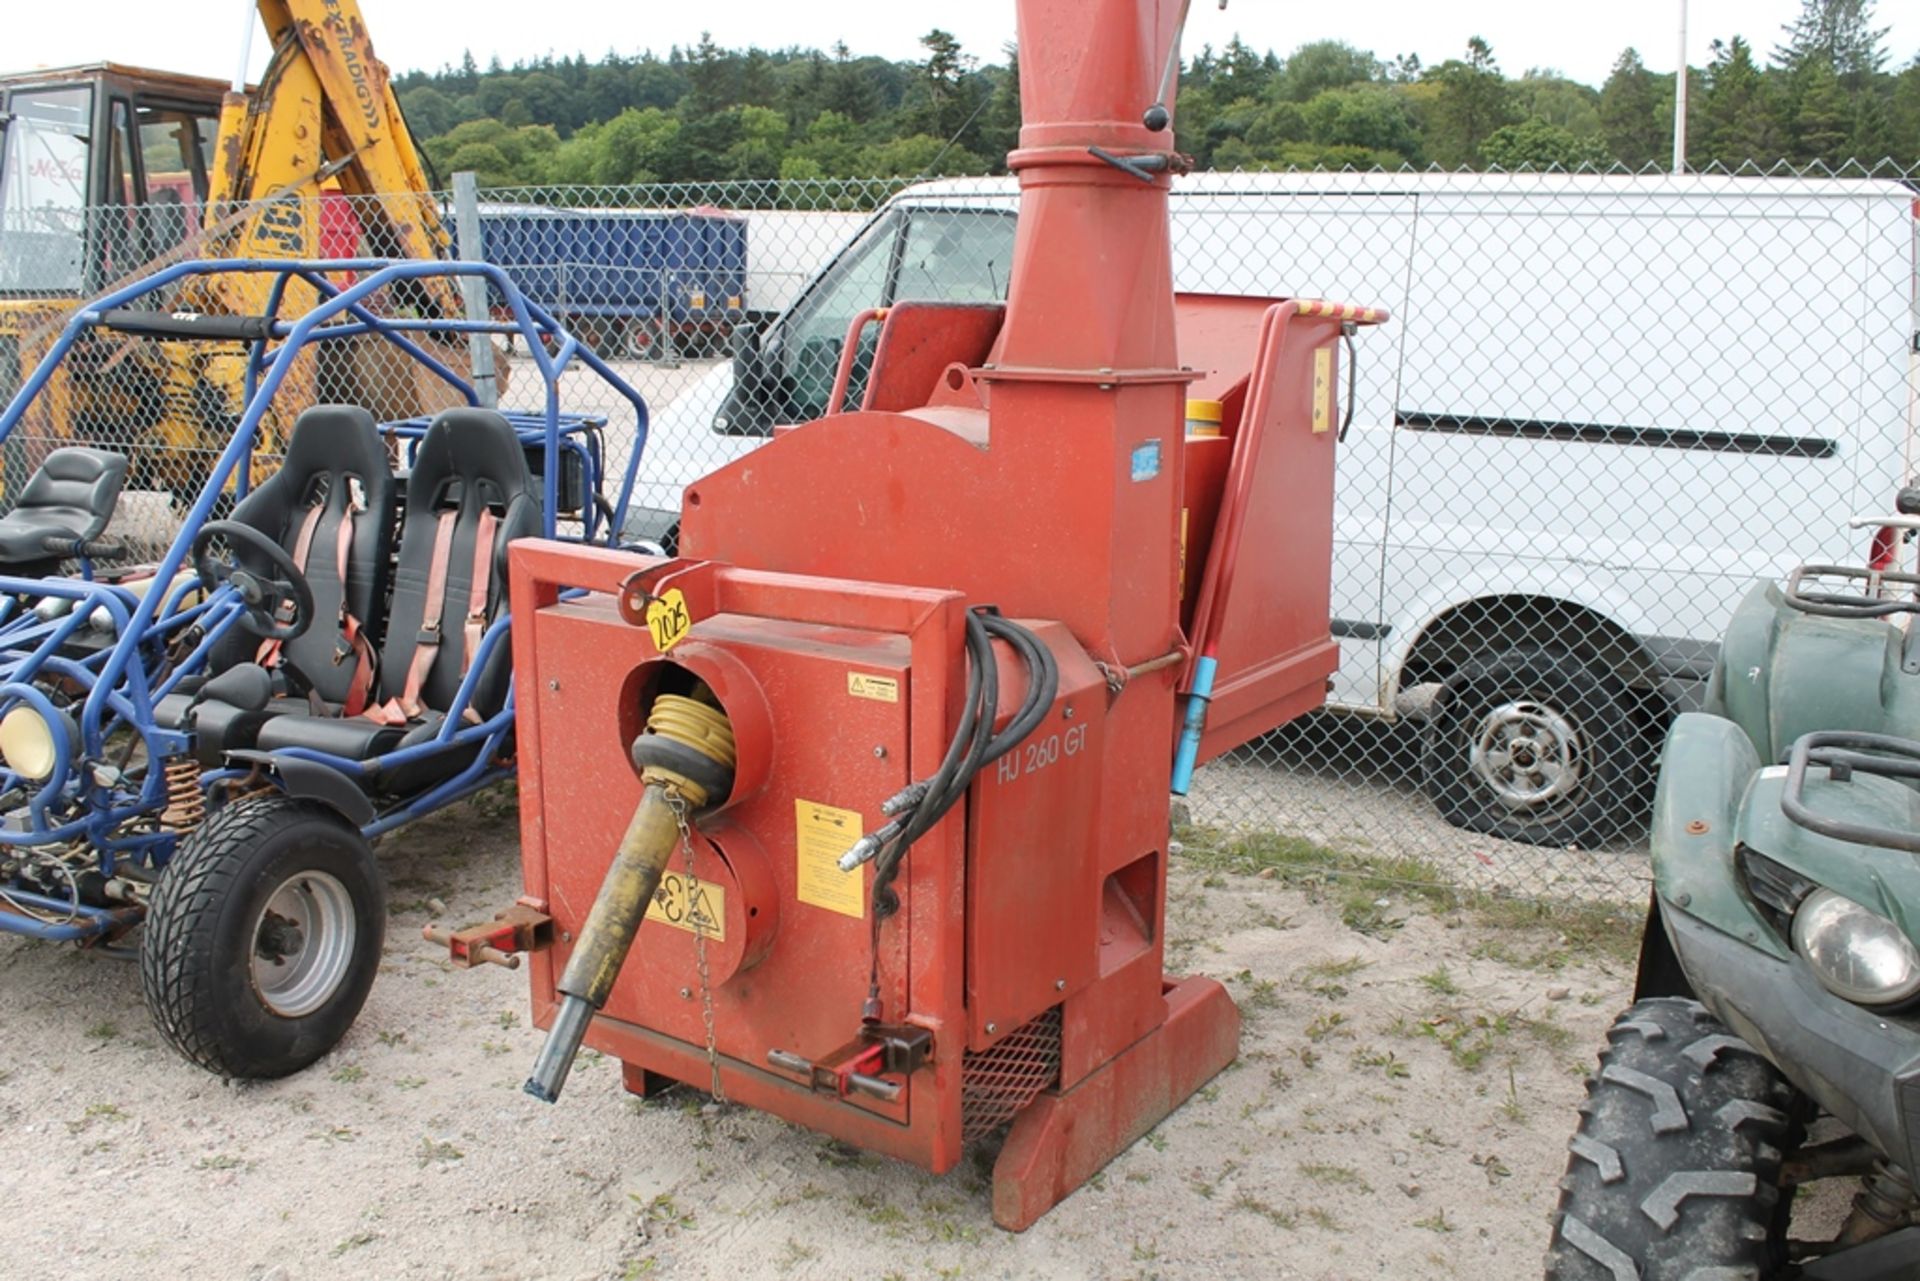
point(1604, 407)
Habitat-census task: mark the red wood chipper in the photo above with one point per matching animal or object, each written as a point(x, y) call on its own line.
point(872, 780)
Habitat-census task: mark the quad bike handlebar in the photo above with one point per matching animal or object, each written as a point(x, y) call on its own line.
point(1866, 603)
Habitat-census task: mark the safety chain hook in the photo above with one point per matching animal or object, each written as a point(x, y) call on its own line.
point(678, 804)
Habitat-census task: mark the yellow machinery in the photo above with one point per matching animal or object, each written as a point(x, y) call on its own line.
point(107, 172)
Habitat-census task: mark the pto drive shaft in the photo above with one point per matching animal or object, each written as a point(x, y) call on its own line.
point(686, 759)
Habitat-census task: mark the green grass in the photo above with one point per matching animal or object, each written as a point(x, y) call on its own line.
point(1280, 1218)
point(1323, 978)
point(1579, 931)
point(1340, 1176)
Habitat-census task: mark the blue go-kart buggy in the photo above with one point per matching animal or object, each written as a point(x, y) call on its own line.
point(206, 748)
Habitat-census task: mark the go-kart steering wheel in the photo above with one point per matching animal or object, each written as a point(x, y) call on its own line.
point(279, 603)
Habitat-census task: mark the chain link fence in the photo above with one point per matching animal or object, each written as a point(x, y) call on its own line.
point(1606, 406)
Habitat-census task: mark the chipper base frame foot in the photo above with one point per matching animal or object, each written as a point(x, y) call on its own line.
point(1063, 1138)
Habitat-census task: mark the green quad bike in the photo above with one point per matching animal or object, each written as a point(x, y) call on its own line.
point(1775, 1036)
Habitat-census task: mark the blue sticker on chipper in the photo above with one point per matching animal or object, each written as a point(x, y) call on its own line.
point(1146, 461)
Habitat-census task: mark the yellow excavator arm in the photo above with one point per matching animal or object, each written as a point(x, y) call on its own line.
point(324, 115)
point(323, 119)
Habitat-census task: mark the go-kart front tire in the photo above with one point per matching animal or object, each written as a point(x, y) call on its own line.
point(1674, 1173)
point(263, 937)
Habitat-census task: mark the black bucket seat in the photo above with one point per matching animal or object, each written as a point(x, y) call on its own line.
point(331, 505)
point(469, 494)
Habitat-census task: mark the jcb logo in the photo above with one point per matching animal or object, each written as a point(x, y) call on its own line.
point(282, 227)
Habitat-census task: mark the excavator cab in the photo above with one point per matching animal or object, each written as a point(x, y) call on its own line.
point(103, 168)
point(109, 174)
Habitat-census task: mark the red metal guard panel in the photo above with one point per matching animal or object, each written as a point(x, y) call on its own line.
point(1033, 880)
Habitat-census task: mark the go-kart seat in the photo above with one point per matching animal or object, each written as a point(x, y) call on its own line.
point(331, 505)
point(64, 505)
point(469, 482)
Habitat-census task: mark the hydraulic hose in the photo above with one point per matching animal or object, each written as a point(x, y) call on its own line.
point(921, 804)
point(686, 758)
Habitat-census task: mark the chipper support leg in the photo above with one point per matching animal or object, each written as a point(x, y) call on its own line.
point(1065, 1137)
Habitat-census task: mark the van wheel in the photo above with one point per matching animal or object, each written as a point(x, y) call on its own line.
point(263, 937)
point(643, 337)
point(1533, 745)
point(1675, 1171)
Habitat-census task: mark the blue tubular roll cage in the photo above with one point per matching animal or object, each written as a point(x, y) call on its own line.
point(87, 799)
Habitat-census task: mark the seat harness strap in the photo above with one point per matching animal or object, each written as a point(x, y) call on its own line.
point(353, 638)
point(398, 711)
point(478, 585)
point(268, 655)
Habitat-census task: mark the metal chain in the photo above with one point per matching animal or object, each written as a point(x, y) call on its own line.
point(678, 803)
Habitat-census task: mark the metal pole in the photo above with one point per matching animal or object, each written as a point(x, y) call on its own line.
point(246, 45)
point(473, 289)
point(1680, 99)
point(669, 358)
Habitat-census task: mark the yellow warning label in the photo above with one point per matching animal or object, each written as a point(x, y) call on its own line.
point(697, 299)
point(669, 619)
point(690, 904)
point(1323, 389)
point(881, 689)
point(822, 835)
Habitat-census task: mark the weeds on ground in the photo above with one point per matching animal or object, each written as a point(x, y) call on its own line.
point(1368, 1057)
point(661, 1212)
point(1322, 978)
point(1286, 1219)
point(95, 1113)
point(1574, 931)
point(1332, 1023)
point(437, 1151)
point(1261, 994)
point(1339, 1176)
point(794, 1255)
point(352, 1243)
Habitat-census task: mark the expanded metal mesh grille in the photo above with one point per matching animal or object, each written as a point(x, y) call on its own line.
point(1606, 406)
point(996, 1083)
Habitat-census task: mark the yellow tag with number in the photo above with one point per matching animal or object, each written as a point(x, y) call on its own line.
point(668, 619)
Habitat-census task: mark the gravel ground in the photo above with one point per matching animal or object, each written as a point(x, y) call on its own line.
point(1405, 1087)
point(1354, 791)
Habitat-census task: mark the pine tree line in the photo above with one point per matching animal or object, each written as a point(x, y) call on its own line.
point(1825, 95)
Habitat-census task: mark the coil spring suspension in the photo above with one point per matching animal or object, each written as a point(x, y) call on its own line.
point(186, 803)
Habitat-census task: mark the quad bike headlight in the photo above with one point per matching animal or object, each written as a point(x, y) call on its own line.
point(28, 745)
point(1856, 952)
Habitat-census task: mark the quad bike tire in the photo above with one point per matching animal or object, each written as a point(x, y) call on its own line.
point(1548, 710)
point(1674, 1172)
point(263, 937)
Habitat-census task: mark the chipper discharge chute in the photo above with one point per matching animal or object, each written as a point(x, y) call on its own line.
point(857, 811)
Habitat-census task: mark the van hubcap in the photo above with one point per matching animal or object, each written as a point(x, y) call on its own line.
point(1528, 755)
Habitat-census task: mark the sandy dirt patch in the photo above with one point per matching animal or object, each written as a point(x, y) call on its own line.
point(1399, 1109)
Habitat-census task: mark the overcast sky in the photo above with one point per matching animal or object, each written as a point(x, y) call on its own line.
point(1580, 40)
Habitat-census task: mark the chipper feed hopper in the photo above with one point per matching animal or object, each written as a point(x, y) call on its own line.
point(857, 810)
